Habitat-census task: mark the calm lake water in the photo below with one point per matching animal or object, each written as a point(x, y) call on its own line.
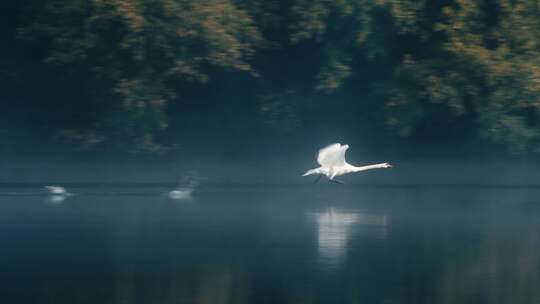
point(271, 244)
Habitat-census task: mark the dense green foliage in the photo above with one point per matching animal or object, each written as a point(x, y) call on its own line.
point(99, 72)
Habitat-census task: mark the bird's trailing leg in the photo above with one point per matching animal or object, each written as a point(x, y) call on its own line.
point(336, 181)
point(317, 179)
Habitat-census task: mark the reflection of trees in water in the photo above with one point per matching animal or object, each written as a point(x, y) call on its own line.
point(167, 280)
point(221, 285)
point(503, 268)
point(206, 285)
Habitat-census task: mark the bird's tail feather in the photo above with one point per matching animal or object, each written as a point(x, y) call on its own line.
point(309, 172)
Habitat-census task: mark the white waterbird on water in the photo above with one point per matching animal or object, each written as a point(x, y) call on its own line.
point(332, 161)
point(181, 193)
point(58, 195)
point(56, 190)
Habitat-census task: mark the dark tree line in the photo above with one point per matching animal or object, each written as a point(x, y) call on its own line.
point(135, 74)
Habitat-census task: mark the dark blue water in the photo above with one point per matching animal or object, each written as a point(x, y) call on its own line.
point(272, 244)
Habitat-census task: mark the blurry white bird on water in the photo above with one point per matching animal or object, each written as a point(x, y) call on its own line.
point(58, 195)
point(181, 193)
point(55, 190)
point(332, 161)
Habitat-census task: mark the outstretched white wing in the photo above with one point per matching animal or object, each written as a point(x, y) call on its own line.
point(333, 155)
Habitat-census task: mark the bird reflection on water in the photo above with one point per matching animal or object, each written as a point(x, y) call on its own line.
point(55, 200)
point(335, 229)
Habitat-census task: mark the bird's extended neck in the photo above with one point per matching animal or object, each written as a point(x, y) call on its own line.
point(369, 167)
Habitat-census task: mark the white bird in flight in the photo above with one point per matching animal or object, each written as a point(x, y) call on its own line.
point(332, 161)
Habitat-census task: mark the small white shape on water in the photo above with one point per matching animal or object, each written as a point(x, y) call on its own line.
point(181, 194)
point(55, 189)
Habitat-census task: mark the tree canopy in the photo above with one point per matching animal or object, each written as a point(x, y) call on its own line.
point(104, 73)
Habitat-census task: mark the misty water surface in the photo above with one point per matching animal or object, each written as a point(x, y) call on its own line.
point(272, 244)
